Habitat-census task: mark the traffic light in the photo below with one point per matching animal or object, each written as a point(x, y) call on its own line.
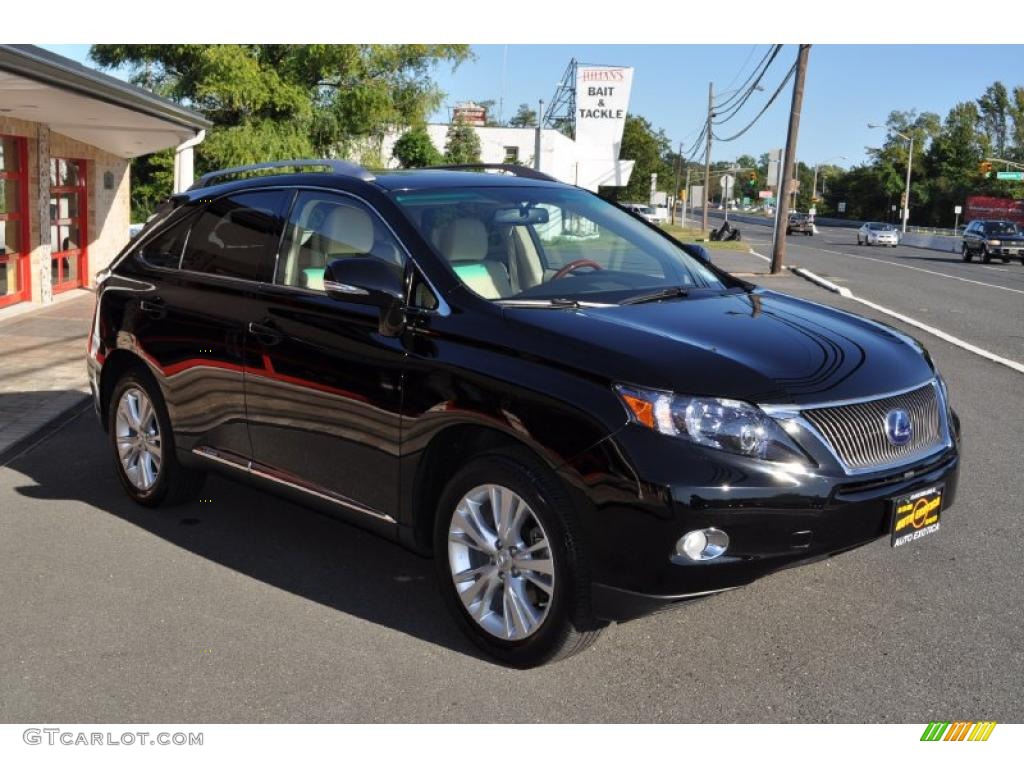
point(985, 168)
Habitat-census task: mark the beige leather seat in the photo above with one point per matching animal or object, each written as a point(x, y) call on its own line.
point(346, 231)
point(464, 243)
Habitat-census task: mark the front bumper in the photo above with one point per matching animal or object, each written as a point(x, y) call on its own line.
point(770, 527)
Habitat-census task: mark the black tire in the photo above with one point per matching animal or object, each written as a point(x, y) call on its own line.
point(568, 626)
point(1005, 260)
point(859, 241)
point(175, 483)
point(789, 231)
point(966, 253)
point(986, 257)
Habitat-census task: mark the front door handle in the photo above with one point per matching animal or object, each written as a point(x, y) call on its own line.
point(154, 309)
point(265, 334)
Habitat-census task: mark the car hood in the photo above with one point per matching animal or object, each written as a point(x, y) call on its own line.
point(1006, 238)
point(758, 346)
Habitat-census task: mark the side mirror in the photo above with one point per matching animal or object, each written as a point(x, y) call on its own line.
point(370, 281)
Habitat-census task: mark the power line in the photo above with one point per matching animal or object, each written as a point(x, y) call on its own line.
point(750, 91)
point(739, 92)
point(742, 66)
point(764, 109)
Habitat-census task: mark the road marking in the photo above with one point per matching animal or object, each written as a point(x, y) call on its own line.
point(760, 255)
point(921, 269)
point(997, 269)
point(958, 342)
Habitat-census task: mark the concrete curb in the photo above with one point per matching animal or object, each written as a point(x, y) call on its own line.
point(806, 274)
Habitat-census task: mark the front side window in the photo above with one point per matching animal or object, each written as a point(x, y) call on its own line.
point(323, 227)
point(534, 242)
point(237, 235)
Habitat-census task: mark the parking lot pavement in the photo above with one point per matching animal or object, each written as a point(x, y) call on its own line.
point(243, 607)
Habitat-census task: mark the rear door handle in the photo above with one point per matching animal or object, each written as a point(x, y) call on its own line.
point(265, 334)
point(154, 309)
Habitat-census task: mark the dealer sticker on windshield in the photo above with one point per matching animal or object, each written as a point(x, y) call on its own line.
point(915, 516)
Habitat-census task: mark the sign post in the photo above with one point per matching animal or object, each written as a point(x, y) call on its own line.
point(1010, 175)
point(957, 209)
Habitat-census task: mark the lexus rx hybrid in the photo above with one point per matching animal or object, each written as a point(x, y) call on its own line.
point(579, 418)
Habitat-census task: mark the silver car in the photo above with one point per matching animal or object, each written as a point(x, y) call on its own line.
point(877, 233)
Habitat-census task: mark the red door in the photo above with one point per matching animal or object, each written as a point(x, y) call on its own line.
point(14, 246)
point(68, 237)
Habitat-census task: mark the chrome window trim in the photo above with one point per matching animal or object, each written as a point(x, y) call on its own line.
point(794, 413)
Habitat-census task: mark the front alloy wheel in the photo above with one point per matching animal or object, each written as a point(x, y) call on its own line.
point(510, 560)
point(501, 562)
point(137, 432)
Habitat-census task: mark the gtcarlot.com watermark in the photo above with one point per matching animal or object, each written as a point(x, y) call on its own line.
point(56, 736)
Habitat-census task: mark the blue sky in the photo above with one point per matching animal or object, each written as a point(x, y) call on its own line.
point(847, 86)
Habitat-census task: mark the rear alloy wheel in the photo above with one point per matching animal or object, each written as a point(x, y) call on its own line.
point(143, 445)
point(137, 432)
point(509, 562)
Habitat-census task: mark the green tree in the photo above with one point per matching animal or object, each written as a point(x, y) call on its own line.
point(270, 102)
point(462, 145)
point(651, 151)
point(415, 149)
point(994, 107)
point(523, 118)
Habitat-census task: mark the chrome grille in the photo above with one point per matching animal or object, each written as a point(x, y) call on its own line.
point(857, 433)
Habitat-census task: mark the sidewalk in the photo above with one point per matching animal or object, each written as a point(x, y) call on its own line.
point(42, 367)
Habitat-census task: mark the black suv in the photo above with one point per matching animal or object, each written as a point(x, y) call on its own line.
point(985, 239)
point(581, 419)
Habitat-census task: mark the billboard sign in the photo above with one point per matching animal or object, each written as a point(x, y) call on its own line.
point(980, 207)
point(602, 100)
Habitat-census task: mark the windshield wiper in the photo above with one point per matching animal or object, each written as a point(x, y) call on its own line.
point(665, 293)
point(556, 303)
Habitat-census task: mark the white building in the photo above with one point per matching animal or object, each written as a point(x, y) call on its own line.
point(560, 156)
point(593, 100)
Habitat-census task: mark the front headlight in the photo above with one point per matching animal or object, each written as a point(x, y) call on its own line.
point(993, 242)
point(728, 425)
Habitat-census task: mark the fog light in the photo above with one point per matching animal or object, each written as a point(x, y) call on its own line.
point(703, 544)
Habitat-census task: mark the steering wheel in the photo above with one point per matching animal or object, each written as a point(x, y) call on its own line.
point(572, 266)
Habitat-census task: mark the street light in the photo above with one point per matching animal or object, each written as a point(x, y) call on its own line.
point(814, 186)
point(910, 162)
point(707, 151)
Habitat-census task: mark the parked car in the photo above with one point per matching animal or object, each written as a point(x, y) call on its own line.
point(985, 239)
point(643, 211)
point(800, 222)
point(578, 430)
point(878, 233)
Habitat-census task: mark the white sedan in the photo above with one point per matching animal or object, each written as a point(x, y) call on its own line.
point(876, 233)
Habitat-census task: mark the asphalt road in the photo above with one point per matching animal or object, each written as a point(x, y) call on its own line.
point(982, 304)
point(243, 607)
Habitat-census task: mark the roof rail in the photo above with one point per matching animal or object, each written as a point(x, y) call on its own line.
point(340, 167)
point(516, 170)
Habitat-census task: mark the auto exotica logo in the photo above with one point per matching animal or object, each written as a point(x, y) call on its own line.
point(961, 730)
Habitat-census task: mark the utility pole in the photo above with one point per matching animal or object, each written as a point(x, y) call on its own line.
point(675, 199)
point(779, 249)
point(686, 198)
point(536, 141)
point(707, 155)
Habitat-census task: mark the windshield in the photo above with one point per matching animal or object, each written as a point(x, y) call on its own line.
point(546, 243)
point(881, 227)
point(1000, 228)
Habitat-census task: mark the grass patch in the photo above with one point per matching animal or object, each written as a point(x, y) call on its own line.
point(691, 235)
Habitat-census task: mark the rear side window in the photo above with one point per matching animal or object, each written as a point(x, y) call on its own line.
point(164, 250)
point(237, 236)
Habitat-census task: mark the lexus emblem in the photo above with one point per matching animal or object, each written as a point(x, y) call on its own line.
point(898, 428)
